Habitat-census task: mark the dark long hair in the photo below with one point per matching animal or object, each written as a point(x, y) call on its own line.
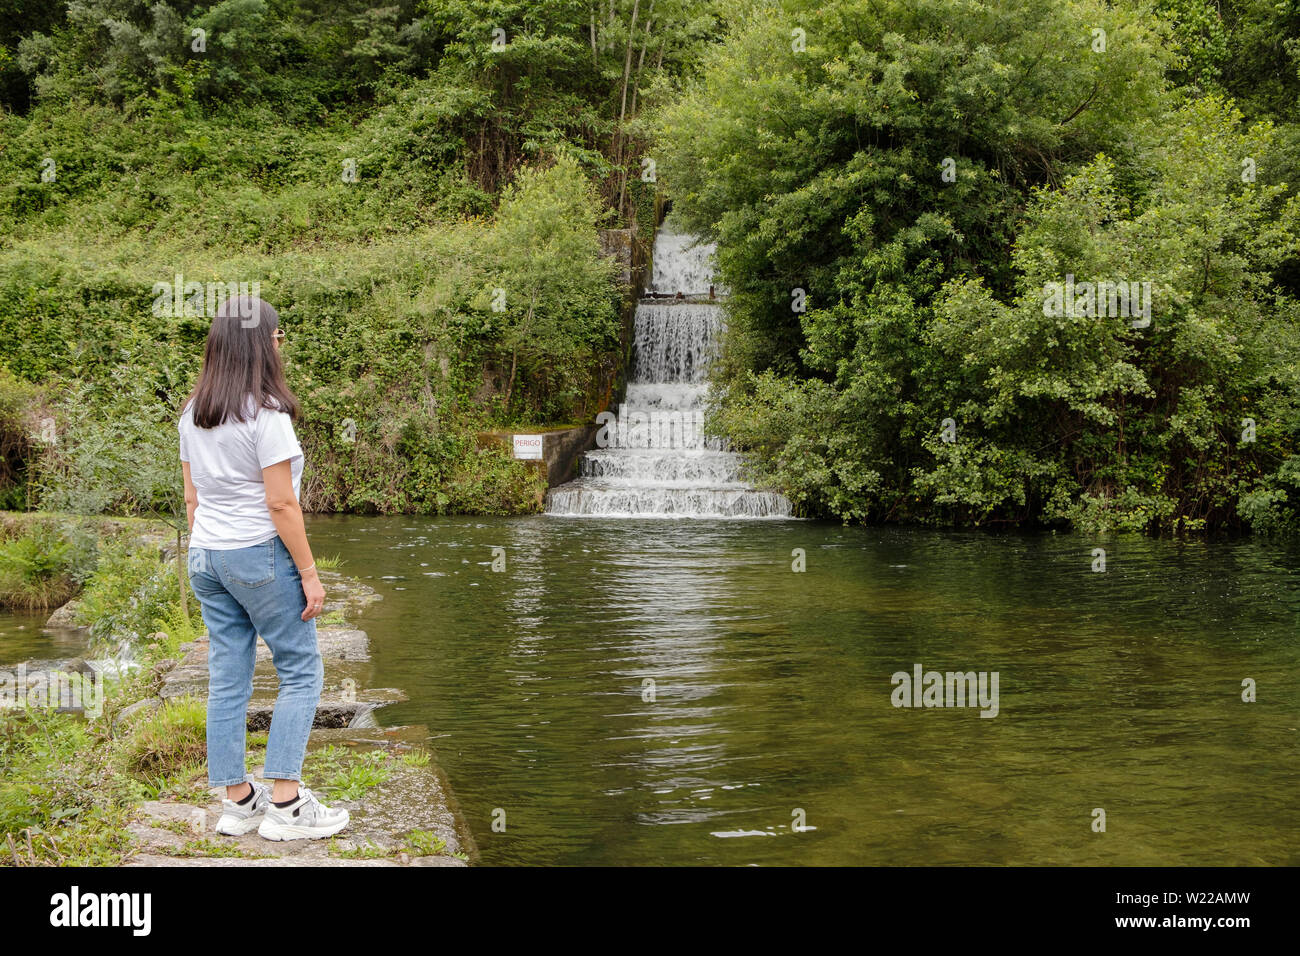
point(241, 362)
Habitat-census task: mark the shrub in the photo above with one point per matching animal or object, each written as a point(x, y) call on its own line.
point(45, 564)
point(170, 739)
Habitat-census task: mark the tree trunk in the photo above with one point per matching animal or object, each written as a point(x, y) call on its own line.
point(514, 353)
point(622, 110)
point(510, 385)
point(636, 82)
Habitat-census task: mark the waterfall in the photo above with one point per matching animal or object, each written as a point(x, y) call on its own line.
point(653, 459)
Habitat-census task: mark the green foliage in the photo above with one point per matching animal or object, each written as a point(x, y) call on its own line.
point(822, 171)
point(170, 738)
point(552, 324)
point(44, 564)
point(1247, 49)
point(69, 783)
point(487, 165)
point(344, 775)
point(397, 337)
point(131, 590)
point(227, 164)
point(424, 843)
point(416, 758)
point(21, 413)
point(467, 90)
point(63, 797)
point(178, 627)
point(124, 50)
point(117, 450)
point(1147, 425)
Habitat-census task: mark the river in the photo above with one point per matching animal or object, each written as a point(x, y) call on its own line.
point(771, 737)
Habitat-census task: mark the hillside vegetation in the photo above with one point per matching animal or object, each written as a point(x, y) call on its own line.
point(417, 188)
point(896, 186)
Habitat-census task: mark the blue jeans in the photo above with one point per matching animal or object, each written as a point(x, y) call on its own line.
point(246, 592)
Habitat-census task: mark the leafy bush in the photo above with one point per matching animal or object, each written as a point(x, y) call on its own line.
point(63, 799)
point(20, 421)
point(132, 589)
point(918, 176)
point(44, 563)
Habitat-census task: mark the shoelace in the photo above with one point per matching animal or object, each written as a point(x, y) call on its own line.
point(310, 806)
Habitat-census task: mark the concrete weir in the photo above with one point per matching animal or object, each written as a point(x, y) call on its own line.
point(652, 457)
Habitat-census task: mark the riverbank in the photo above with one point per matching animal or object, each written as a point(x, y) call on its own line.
point(105, 764)
point(400, 803)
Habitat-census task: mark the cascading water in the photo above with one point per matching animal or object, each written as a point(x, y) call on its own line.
point(653, 459)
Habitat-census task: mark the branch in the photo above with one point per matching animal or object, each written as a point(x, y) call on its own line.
point(1096, 86)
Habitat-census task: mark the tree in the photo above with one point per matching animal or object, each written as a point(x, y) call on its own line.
point(549, 316)
point(915, 172)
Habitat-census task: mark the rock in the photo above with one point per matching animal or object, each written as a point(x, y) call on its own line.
point(329, 713)
point(168, 833)
point(139, 707)
point(410, 797)
point(66, 616)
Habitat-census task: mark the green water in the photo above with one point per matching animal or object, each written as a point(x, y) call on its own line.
point(1118, 690)
point(24, 636)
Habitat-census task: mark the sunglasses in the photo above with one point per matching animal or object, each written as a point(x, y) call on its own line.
point(278, 335)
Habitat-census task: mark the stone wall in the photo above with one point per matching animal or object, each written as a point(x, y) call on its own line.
point(560, 448)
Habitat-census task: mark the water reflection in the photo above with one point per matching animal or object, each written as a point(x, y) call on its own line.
point(24, 636)
point(772, 696)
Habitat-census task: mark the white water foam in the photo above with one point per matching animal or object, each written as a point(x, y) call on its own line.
point(656, 461)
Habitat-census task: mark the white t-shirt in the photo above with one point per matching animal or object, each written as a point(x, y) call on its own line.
point(226, 465)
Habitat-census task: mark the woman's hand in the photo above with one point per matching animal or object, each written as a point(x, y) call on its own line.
point(314, 592)
point(286, 515)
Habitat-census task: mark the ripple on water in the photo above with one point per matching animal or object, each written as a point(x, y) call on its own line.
point(770, 690)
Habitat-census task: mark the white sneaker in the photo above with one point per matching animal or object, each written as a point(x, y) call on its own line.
point(304, 819)
point(238, 819)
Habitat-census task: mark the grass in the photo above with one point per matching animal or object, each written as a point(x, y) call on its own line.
point(64, 797)
point(419, 757)
point(344, 775)
point(330, 562)
point(425, 843)
point(173, 736)
point(364, 851)
point(46, 557)
point(71, 784)
point(43, 567)
point(210, 848)
point(175, 826)
point(186, 784)
point(414, 843)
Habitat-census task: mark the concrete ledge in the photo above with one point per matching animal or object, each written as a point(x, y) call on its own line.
point(560, 448)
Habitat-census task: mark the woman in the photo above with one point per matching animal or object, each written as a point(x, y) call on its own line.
point(252, 570)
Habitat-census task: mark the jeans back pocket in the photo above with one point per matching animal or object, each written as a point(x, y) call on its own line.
point(250, 567)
